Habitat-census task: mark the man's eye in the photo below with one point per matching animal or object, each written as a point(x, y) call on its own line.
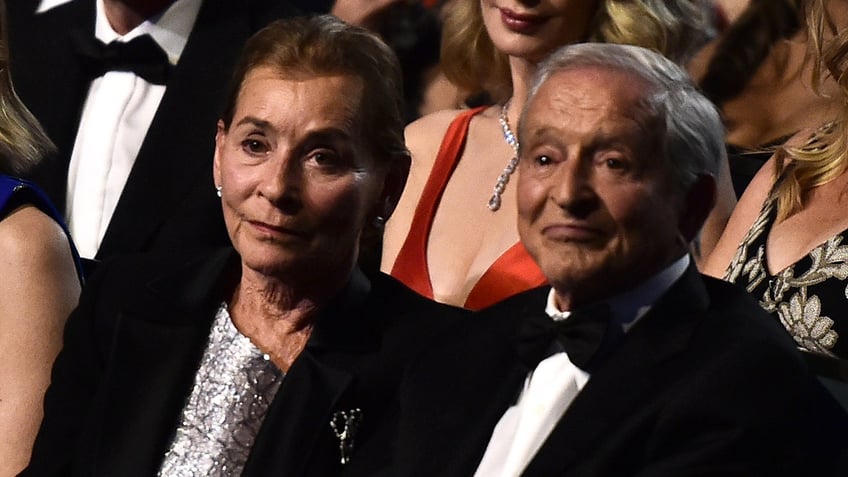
point(253, 146)
point(544, 160)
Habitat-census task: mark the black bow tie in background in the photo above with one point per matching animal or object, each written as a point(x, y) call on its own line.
point(581, 335)
point(141, 55)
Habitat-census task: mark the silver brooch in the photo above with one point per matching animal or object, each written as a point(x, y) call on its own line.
point(345, 425)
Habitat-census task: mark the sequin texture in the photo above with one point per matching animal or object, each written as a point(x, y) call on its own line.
point(232, 390)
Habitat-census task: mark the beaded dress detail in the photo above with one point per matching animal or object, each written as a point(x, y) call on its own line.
point(808, 297)
point(232, 390)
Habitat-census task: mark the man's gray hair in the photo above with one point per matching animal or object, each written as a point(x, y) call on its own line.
point(694, 133)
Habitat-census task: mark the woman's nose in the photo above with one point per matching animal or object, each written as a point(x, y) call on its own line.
point(281, 183)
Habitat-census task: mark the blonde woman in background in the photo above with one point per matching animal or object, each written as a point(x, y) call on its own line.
point(453, 236)
point(39, 277)
point(784, 241)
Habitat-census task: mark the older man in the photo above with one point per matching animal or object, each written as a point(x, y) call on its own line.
point(631, 362)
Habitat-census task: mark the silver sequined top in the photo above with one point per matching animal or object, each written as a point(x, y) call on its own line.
point(232, 390)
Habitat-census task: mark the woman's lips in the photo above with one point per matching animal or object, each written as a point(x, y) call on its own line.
point(520, 23)
point(273, 229)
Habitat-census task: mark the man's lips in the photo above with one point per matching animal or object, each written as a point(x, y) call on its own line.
point(572, 232)
point(520, 22)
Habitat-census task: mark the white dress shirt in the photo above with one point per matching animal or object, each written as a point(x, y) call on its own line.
point(116, 115)
point(552, 386)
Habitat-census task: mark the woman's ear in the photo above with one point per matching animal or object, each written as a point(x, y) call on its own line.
point(220, 135)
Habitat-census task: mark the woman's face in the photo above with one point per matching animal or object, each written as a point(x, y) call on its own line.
point(531, 29)
point(298, 184)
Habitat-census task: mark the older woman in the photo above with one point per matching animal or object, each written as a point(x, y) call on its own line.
point(278, 357)
point(39, 277)
point(454, 236)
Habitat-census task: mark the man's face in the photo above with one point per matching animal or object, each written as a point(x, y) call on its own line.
point(598, 208)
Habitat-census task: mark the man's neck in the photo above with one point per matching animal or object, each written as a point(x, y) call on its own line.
point(125, 15)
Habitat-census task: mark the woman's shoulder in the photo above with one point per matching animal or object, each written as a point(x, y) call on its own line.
point(27, 232)
point(36, 252)
point(431, 126)
point(425, 135)
point(742, 219)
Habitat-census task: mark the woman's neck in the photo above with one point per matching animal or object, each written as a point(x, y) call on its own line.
point(271, 298)
point(276, 316)
point(522, 72)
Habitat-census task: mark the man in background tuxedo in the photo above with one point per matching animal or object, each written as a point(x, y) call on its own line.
point(134, 125)
point(631, 362)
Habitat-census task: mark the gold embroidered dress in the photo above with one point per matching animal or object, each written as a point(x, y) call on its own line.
point(809, 297)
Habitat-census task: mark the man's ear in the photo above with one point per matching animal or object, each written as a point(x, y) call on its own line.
point(393, 185)
point(699, 201)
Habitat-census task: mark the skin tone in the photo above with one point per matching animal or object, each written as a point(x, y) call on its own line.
point(35, 301)
point(732, 8)
point(298, 188)
point(124, 15)
point(788, 241)
point(364, 13)
point(779, 100)
point(598, 209)
point(821, 217)
point(466, 237)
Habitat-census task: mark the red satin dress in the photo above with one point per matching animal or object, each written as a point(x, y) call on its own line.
point(512, 273)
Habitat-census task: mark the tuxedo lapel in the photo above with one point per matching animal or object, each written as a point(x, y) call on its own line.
point(457, 395)
point(49, 79)
point(298, 422)
point(633, 373)
point(176, 156)
point(159, 341)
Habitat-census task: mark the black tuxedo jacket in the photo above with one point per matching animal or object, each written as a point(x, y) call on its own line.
point(134, 343)
point(704, 384)
point(169, 199)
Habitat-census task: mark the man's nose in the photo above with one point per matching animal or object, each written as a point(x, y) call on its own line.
point(574, 189)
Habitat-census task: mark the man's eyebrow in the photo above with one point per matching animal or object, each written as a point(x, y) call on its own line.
point(600, 137)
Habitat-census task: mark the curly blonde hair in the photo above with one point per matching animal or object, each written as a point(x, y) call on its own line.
point(23, 143)
point(674, 28)
point(822, 157)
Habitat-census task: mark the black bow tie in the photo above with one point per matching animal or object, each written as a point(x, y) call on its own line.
point(580, 335)
point(141, 55)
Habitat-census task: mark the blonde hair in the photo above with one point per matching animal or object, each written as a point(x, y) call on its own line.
point(22, 141)
point(673, 28)
point(822, 158)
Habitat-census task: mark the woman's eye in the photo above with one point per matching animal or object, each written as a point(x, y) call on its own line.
point(327, 158)
point(254, 146)
point(322, 157)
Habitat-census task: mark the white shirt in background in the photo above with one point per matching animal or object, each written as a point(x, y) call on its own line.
point(116, 115)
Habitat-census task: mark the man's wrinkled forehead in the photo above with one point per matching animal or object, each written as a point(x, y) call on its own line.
point(609, 92)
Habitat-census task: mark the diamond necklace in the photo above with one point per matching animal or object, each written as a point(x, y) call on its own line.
point(503, 179)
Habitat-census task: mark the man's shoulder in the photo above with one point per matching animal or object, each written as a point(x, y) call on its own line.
point(733, 311)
